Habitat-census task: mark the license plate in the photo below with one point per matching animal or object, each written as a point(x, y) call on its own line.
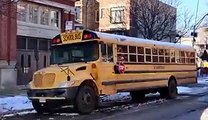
point(42, 100)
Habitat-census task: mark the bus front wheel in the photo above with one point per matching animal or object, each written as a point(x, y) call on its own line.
point(85, 100)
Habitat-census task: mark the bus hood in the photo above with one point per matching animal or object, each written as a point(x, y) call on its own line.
point(58, 68)
point(53, 75)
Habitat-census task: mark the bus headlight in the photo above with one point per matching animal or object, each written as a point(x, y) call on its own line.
point(66, 84)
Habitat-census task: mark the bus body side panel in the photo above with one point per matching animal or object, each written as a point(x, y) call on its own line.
point(106, 74)
point(154, 76)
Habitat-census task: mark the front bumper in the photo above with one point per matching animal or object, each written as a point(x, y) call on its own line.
point(44, 95)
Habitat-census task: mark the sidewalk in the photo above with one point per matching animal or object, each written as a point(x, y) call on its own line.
point(12, 92)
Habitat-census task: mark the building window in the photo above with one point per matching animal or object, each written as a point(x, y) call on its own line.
point(32, 43)
point(21, 11)
point(54, 18)
point(102, 13)
point(43, 45)
point(77, 10)
point(44, 16)
point(37, 14)
point(117, 15)
point(21, 43)
point(97, 16)
point(33, 14)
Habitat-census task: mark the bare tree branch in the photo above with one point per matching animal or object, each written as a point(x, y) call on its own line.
point(154, 19)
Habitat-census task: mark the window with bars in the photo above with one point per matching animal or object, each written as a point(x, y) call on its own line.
point(44, 16)
point(21, 11)
point(117, 14)
point(77, 12)
point(54, 18)
point(33, 13)
point(102, 13)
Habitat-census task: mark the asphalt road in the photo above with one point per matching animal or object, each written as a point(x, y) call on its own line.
point(185, 107)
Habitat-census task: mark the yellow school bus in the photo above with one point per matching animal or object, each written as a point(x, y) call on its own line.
point(87, 64)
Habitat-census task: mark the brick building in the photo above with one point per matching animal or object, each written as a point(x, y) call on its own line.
point(26, 28)
point(111, 16)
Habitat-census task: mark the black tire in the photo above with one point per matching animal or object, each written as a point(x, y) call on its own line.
point(86, 100)
point(137, 96)
point(171, 91)
point(40, 108)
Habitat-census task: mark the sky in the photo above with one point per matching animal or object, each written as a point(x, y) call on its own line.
point(191, 5)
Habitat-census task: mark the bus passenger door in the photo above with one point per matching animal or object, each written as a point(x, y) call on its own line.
point(106, 70)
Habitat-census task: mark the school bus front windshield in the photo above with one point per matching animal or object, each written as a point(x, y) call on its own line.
point(76, 52)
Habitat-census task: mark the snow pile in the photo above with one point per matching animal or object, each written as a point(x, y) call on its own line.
point(11, 104)
point(119, 97)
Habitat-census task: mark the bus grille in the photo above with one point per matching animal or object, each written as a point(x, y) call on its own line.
point(44, 80)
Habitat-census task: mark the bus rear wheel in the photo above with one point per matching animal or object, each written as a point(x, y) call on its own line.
point(170, 92)
point(86, 100)
point(137, 96)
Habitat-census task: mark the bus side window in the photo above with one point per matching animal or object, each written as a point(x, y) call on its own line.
point(104, 52)
point(110, 52)
point(107, 52)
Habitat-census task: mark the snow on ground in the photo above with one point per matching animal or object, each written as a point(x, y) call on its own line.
point(195, 89)
point(117, 97)
point(11, 104)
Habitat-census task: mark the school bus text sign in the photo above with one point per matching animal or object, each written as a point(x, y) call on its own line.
point(73, 36)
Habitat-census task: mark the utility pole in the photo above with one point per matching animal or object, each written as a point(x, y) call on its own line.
point(194, 34)
point(86, 13)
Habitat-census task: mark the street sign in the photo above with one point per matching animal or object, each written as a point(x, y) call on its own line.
point(69, 25)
